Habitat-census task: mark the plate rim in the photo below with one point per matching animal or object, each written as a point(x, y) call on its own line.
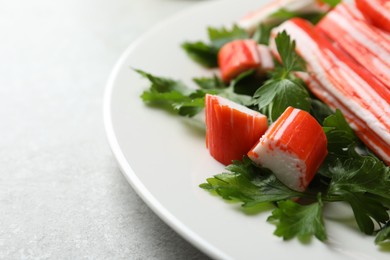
point(126, 169)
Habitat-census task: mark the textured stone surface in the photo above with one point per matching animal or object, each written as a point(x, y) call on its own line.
point(62, 195)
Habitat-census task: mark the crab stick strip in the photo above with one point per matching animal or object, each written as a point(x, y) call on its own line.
point(360, 94)
point(377, 11)
point(293, 147)
point(265, 13)
point(239, 56)
point(231, 129)
point(362, 41)
point(363, 131)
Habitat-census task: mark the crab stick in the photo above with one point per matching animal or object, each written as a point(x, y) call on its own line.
point(377, 11)
point(358, 93)
point(231, 129)
point(361, 40)
point(265, 14)
point(239, 56)
point(293, 147)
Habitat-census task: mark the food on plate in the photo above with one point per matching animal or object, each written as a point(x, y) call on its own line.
point(326, 97)
point(294, 148)
point(231, 129)
point(239, 56)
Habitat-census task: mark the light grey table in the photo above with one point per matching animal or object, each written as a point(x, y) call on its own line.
point(62, 195)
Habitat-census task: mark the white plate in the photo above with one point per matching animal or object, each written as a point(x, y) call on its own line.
point(164, 157)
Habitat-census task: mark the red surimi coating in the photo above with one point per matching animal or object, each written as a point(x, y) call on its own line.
point(231, 129)
point(377, 11)
point(238, 56)
point(362, 41)
point(293, 147)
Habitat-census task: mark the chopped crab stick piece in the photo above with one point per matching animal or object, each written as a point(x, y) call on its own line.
point(239, 56)
point(231, 129)
point(367, 99)
point(362, 41)
point(293, 148)
point(265, 13)
point(377, 11)
point(362, 130)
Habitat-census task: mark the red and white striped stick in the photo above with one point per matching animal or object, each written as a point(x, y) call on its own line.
point(362, 41)
point(377, 11)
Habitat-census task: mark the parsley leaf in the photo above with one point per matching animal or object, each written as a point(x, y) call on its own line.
point(366, 174)
point(332, 3)
point(263, 30)
point(319, 110)
point(262, 33)
point(202, 53)
point(173, 95)
point(206, 54)
point(364, 183)
point(337, 121)
point(276, 95)
point(216, 85)
point(176, 101)
point(384, 234)
point(284, 14)
point(231, 92)
point(245, 84)
point(210, 83)
point(366, 210)
point(290, 59)
point(221, 36)
point(163, 85)
point(295, 220)
point(283, 89)
point(342, 141)
point(356, 177)
point(249, 184)
point(343, 144)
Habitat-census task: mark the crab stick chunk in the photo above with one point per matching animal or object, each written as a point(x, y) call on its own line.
point(377, 11)
point(239, 56)
point(294, 147)
point(231, 129)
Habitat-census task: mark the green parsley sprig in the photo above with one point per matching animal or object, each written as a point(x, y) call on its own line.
point(283, 89)
point(173, 95)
